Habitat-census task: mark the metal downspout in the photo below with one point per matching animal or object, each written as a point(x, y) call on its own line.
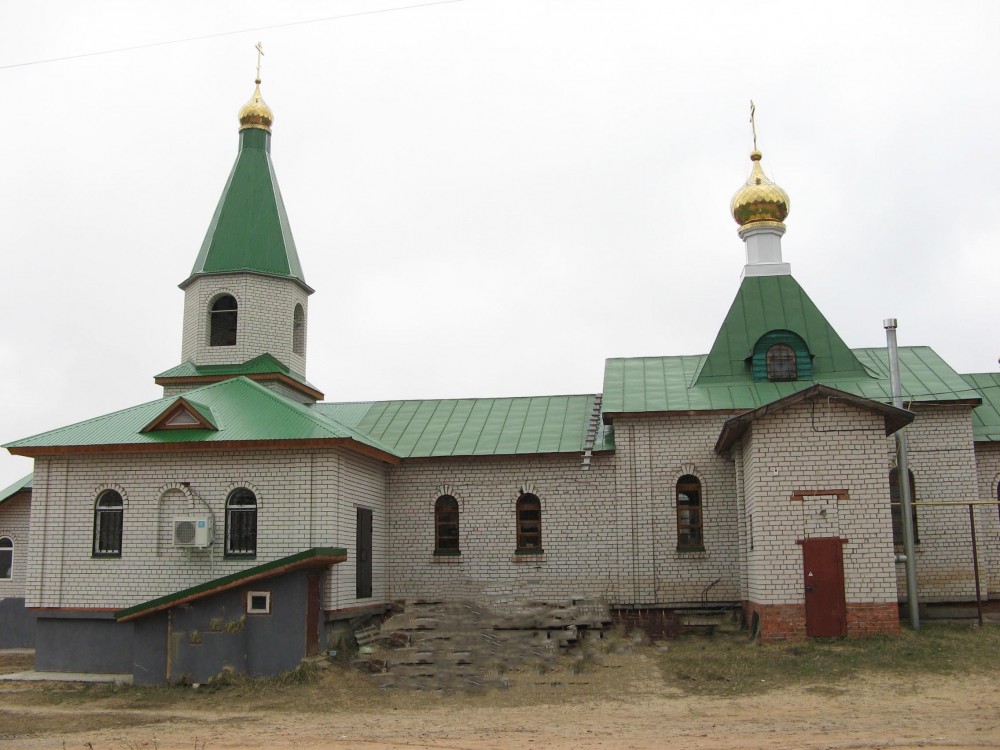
point(903, 478)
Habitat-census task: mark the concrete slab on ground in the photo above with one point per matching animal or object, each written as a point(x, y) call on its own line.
point(33, 676)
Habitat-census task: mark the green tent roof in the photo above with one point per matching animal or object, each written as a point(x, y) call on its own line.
point(986, 417)
point(771, 303)
point(644, 384)
point(241, 409)
point(249, 230)
point(476, 427)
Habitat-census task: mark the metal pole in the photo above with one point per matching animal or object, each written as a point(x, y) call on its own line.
point(975, 564)
point(903, 478)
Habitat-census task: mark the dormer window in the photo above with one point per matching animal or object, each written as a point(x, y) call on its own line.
point(223, 321)
point(780, 356)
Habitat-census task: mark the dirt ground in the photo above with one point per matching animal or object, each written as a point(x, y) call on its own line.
point(620, 700)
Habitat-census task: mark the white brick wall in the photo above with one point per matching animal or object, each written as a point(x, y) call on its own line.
point(988, 518)
point(608, 532)
point(305, 499)
point(266, 309)
point(652, 453)
point(943, 461)
point(15, 522)
point(815, 448)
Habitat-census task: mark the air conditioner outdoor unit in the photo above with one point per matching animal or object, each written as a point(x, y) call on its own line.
point(195, 531)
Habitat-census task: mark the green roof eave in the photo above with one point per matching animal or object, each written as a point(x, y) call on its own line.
point(249, 231)
point(21, 485)
point(666, 384)
point(261, 365)
point(243, 411)
point(737, 426)
point(311, 558)
point(986, 416)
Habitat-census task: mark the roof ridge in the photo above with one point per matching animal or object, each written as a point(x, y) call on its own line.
point(316, 418)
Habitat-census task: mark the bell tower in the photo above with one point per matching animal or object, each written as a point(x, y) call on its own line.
point(246, 301)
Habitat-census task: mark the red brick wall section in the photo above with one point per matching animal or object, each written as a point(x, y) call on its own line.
point(779, 622)
point(787, 622)
point(865, 620)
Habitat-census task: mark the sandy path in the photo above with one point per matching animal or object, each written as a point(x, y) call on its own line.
point(954, 712)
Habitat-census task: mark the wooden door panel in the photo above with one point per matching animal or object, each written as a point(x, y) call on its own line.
point(823, 574)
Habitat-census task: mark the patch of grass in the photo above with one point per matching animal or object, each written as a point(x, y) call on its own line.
point(734, 665)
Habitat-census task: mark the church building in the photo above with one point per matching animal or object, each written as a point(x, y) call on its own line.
point(238, 520)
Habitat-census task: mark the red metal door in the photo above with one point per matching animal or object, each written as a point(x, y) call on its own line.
point(823, 569)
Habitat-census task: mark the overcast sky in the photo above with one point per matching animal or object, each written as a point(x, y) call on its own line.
point(489, 196)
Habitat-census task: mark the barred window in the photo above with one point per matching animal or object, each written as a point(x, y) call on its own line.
point(689, 519)
point(781, 363)
point(529, 524)
point(241, 523)
point(109, 513)
point(446, 526)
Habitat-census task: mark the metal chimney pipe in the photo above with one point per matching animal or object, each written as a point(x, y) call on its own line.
point(903, 477)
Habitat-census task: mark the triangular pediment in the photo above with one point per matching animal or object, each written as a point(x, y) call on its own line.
point(182, 414)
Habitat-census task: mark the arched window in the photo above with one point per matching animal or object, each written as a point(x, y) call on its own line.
point(781, 364)
point(897, 507)
point(223, 321)
point(6, 558)
point(529, 523)
point(689, 526)
point(446, 526)
point(241, 523)
point(109, 512)
point(298, 330)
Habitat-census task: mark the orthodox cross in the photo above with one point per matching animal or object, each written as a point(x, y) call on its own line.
point(753, 123)
point(260, 52)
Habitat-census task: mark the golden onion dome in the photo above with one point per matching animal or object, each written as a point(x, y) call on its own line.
point(759, 201)
point(255, 113)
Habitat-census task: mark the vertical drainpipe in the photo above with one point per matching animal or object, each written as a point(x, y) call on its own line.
point(903, 478)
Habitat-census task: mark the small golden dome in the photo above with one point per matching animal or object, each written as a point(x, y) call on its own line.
point(759, 201)
point(255, 113)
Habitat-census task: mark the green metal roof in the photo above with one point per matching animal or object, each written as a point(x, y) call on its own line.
point(241, 409)
point(771, 303)
point(20, 485)
point(315, 557)
point(647, 384)
point(249, 230)
point(986, 417)
point(261, 365)
point(476, 427)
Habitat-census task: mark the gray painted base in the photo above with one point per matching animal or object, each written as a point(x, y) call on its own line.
point(17, 624)
point(191, 642)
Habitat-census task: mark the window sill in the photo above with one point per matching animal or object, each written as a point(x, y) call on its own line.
point(528, 556)
point(107, 555)
point(237, 556)
point(448, 558)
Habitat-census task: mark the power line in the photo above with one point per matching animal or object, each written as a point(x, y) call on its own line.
point(225, 33)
